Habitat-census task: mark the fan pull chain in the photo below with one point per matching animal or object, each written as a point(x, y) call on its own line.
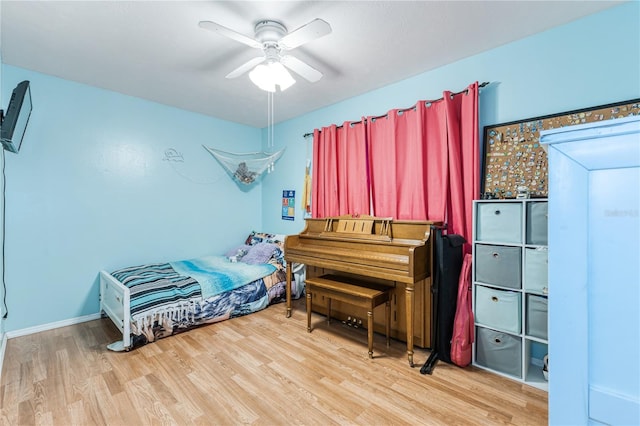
point(270, 132)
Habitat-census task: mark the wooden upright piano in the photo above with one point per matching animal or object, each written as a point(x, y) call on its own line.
point(381, 250)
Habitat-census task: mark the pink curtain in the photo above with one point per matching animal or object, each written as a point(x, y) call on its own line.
point(423, 164)
point(437, 167)
point(354, 189)
point(383, 162)
point(324, 201)
point(341, 184)
point(464, 168)
point(399, 162)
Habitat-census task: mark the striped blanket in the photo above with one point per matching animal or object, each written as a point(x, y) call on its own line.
point(156, 286)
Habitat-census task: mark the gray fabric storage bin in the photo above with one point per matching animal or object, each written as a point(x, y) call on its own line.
point(499, 222)
point(499, 351)
point(536, 316)
point(537, 219)
point(498, 265)
point(536, 269)
point(501, 309)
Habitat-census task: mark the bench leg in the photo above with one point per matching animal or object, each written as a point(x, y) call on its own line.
point(387, 311)
point(308, 310)
point(370, 332)
point(328, 310)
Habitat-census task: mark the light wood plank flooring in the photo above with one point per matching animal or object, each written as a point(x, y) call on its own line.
point(261, 369)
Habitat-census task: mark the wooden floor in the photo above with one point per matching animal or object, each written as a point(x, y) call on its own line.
point(260, 369)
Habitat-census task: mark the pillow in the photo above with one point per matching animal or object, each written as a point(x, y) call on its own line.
point(237, 253)
point(260, 253)
point(262, 237)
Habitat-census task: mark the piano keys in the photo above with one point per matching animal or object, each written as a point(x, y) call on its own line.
point(381, 250)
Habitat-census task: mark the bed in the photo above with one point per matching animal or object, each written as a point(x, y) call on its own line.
point(152, 301)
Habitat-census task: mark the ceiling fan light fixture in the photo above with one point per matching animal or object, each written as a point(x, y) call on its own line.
point(268, 76)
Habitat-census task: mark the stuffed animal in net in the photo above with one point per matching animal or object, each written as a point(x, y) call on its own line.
point(243, 174)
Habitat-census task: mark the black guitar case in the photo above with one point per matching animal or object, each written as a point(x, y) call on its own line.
point(444, 288)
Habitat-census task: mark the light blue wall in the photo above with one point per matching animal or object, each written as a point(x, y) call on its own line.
point(2, 291)
point(592, 61)
point(91, 189)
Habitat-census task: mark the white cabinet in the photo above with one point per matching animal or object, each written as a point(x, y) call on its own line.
point(510, 288)
point(594, 273)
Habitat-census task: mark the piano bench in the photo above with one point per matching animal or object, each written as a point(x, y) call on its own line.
point(352, 291)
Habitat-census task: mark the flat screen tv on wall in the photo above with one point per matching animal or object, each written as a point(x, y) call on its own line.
point(14, 123)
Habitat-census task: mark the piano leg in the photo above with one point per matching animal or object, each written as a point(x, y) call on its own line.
point(308, 311)
point(387, 315)
point(370, 332)
point(410, 312)
point(288, 290)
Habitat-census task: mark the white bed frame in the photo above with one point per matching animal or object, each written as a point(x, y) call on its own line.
point(115, 302)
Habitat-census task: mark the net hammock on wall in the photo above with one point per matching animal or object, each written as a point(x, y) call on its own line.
point(246, 167)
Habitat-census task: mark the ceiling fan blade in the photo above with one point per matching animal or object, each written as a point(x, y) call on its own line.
point(246, 67)
point(301, 68)
point(311, 31)
point(226, 32)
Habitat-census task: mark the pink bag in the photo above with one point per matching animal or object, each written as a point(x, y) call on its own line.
point(463, 332)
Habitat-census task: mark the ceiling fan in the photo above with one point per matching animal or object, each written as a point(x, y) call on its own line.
point(272, 37)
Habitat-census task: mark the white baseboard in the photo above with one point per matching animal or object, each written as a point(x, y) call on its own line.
point(3, 345)
point(49, 326)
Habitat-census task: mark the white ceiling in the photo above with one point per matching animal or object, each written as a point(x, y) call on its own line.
point(155, 50)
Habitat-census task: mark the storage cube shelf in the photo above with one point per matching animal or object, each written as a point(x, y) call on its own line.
point(499, 222)
point(499, 309)
point(510, 288)
point(498, 265)
point(499, 351)
point(536, 270)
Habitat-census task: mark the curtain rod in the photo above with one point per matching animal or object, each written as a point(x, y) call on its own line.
point(486, 83)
